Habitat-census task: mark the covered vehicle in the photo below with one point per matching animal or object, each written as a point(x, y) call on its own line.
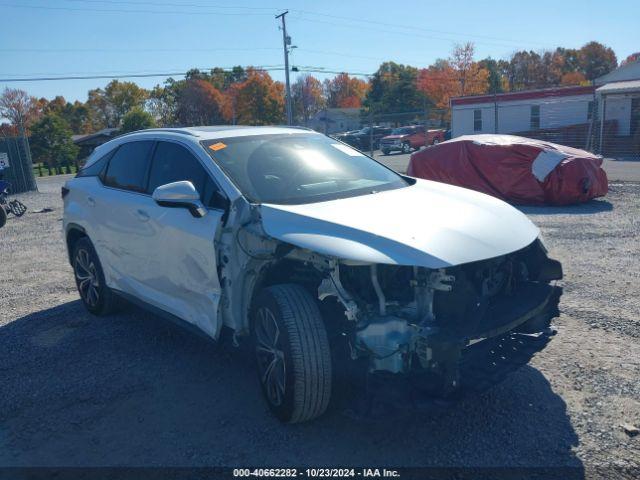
point(519, 170)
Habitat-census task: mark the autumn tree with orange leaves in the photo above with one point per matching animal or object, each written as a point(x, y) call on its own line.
point(343, 91)
point(457, 76)
point(199, 103)
point(258, 100)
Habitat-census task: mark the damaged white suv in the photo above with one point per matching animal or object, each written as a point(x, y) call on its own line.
point(325, 258)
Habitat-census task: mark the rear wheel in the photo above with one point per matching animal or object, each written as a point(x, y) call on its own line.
point(435, 141)
point(94, 293)
point(292, 353)
point(3, 216)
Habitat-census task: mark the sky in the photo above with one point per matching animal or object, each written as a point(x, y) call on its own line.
point(113, 37)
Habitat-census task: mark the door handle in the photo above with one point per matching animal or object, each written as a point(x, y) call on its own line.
point(91, 201)
point(142, 215)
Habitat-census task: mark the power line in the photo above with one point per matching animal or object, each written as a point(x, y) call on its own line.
point(170, 74)
point(409, 27)
point(109, 10)
point(404, 33)
point(166, 4)
point(133, 50)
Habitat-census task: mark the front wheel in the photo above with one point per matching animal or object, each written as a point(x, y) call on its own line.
point(292, 353)
point(406, 147)
point(435, 141)
point(385, 151)
point(3, 216)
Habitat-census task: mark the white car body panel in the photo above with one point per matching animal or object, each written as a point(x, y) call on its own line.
point(428, 224)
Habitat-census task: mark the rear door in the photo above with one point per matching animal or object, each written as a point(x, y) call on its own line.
point(120, 227)
point(180, 267)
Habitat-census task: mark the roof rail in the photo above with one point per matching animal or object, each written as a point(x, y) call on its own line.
point(171, 130)
point(296, 127)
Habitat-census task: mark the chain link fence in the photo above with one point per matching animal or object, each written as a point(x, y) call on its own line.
point(15, 157)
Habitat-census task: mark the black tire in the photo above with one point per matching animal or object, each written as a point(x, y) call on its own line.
point(406, 147)
point(3, 216)
point(435, 141)
point(85, 262)
point(295, 371)
point(385, 152)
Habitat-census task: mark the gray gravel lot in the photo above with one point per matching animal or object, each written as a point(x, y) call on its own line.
point(133, 390)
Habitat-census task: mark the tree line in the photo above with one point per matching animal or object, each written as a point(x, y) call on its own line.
point(250, 96)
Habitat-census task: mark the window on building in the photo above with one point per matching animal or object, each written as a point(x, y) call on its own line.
point(535, 117)
point(477, 120)
point(590, 108)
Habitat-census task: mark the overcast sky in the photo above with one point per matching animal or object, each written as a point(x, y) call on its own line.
point(77, 37)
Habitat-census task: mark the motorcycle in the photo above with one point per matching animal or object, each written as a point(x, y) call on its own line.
point(7, 206)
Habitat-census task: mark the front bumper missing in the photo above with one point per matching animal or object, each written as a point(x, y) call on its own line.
point(465, 366)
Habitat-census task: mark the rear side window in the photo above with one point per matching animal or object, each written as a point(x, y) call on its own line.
point(174, 163)
point(128, 167)
point(97, 167)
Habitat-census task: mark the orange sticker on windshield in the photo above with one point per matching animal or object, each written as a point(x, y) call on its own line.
point(217, 146)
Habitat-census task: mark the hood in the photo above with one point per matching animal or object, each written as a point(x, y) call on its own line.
point(427, 224)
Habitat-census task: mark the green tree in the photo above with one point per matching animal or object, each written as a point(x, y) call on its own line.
point(137, 119)
point(51, 142)
point(393, 89)
point(496, 79)
point(109, 105)
point(76, 114)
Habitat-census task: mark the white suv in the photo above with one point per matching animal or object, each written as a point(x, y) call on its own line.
point(324, 258)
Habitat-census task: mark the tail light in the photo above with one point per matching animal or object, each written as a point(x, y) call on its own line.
point(64, 191)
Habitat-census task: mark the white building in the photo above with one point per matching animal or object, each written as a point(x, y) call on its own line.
point(334, 120)
point(563, 114)
point(522, 112)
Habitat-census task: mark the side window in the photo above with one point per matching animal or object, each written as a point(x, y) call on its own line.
point(97, 167)
point(128, 167)
point(535, 117)
point(477, 120)
point(173, 163)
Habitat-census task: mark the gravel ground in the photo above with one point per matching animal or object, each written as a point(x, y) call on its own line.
point(133, 390)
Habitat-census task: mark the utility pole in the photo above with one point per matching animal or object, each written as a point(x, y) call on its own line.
point(286, 41)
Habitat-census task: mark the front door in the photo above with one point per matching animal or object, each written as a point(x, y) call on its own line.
point(180, 266)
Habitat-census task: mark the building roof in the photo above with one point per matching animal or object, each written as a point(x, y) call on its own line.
point(524, 95)
point(105, 132)
point(629, 71)
point(620, 87)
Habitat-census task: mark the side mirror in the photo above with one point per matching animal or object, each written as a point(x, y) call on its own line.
point(180, 195)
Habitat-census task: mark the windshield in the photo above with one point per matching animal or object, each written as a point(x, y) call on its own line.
point(299, 168)
point(401, 131)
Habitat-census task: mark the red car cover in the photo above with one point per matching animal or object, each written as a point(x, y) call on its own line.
point(518, 170)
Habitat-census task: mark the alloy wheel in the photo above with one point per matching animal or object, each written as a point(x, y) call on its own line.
point(271, 361)
point(87, 278)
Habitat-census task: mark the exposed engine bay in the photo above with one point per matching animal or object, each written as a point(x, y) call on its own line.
point(418, 321)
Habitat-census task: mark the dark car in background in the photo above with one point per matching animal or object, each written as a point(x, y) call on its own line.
point(361, 139)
